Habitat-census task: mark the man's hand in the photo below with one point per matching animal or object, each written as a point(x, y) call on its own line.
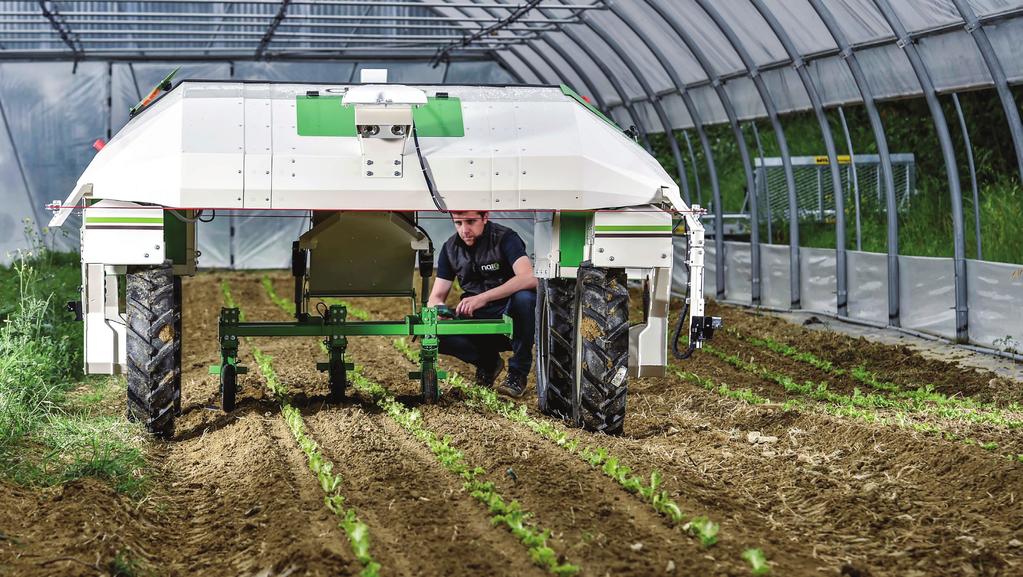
point(468, 306)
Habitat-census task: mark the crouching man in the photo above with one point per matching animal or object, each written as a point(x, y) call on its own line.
point(496, 277)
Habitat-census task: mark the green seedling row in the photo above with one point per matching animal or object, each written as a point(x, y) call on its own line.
point(858, 406)
point(323, 468)
point(289, 307)
point(511, 515)
point(921, 396)
point(481, 398)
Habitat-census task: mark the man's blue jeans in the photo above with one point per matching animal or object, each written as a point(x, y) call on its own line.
point(482, 350)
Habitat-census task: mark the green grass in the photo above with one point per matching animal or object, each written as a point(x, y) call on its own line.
point(925, 229)
point(56, 426)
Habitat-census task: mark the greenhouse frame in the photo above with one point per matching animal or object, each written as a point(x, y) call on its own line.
point(70, 71)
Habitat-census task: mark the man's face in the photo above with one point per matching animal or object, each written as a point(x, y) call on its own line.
point(469, 225)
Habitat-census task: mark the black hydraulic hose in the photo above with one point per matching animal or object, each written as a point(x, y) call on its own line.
point(677, 336)
point(427, 173)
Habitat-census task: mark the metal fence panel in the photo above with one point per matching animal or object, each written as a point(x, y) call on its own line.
point(817, 284)
point(774, 286)
point(927, 287)
point(737, 271)
point(995, 293)
point(868, 286)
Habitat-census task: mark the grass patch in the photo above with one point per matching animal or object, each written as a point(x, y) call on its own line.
point(56, 427)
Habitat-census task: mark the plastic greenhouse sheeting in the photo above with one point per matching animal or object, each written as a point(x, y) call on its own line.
point(995, 290)
point(54, 111)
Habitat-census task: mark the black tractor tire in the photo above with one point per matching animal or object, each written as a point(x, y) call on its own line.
point(603, 348)
point(555, 346)
point(178, 304)
point(582, 338)
point(153, 348)
point(428, 381)
point(228, 387)
point(337, 380)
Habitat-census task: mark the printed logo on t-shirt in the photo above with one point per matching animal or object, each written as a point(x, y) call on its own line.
point(491, 267)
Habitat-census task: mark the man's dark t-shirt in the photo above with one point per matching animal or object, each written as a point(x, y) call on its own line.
point(510, 248)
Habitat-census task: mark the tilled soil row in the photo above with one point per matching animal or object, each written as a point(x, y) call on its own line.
point(898, 364)
point(856, 497)
point(420, 520)
point(228, 495)
point(239, 489)
point(597, 524)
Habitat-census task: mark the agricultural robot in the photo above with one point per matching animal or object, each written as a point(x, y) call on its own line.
point(365, 160)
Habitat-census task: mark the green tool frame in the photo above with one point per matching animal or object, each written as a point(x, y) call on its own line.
point(335, 329)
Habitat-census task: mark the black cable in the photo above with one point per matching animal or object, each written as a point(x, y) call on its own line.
point(683, 355)
point(427, 173)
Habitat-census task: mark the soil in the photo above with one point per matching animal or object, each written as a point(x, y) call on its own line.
point(819, 494)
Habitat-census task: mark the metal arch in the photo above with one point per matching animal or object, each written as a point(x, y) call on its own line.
point(694, 113)
point(976, 29)
point(627, 104)
point(655, 101)
point(779, 134)
point(740, 140)
point(590, 85)
point(867, 95)
point(619, 89)
point(529, 65)
point(692, 158)
point(504, 63)
point(579, 70)
point(968, 145)
point(842, 292)
point(951, 171)
point(494, 53)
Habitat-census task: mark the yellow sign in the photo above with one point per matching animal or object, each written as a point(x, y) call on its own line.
point(842, 159)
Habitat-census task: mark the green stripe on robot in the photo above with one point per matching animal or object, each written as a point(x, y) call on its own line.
point(124, 220)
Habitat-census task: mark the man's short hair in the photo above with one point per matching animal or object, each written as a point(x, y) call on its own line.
point(482, 213)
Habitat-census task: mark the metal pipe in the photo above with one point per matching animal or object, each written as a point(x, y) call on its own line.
point(662, 115)
point(232, 54)
point(692, 160)
point(975, 28)
point(726, 102)
point(842, 293)
point(779, 134)
point(973, 173)
point(615, 83)
point(762, 181)
point(867, 95)
point(951, 171)
point(853, 177)
point(35, 17)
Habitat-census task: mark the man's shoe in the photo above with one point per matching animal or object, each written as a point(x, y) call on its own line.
point(485, 378)
point(514, 384)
